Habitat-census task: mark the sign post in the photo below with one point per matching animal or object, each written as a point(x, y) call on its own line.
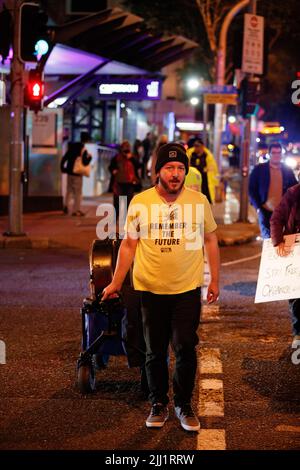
point(253, 44)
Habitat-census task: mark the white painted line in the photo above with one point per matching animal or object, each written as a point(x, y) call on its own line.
point(212, 384)
point(241, 260)
point(211, 408)
point(211, 398)
point(211, 439)
point(210, 361)
point(286, 428)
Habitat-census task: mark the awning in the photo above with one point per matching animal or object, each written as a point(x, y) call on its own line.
point(123, 37)
point(66, 60)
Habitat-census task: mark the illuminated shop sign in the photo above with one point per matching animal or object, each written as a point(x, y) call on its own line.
point(130, 89)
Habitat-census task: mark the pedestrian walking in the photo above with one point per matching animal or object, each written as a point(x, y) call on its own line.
point(193, 179)
point(203, 160)
point(124, 170)
point(285, 220)
point(168, 273)
point(268, 182)
point(76, 151)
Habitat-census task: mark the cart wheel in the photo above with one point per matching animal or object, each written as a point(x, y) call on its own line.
point(86, 379)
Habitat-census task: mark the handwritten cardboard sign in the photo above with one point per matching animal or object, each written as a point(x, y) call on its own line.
point(279, 276)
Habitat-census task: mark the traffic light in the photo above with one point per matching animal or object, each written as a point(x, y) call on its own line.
point(34, 90)
point(5, 33)
point(248, 96)
point(33, 33)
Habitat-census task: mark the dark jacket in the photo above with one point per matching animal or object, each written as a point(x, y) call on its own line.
point(285, 219)
point(68, 160)
point(259, 183)
point(119, 162)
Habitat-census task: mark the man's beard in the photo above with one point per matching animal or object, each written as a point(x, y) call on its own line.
point(168, 189)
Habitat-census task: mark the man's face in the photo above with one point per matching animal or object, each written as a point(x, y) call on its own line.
point(275, 155)
point(172, 176)
point(198, 148)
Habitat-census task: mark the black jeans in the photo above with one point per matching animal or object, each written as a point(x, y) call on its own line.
point(171, 319)
point(264, 217)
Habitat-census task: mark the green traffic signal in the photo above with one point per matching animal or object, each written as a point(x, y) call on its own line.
point(33, 33)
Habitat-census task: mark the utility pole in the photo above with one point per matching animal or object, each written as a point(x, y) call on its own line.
point(16, 137)
point(245, 156)
point(221, 68)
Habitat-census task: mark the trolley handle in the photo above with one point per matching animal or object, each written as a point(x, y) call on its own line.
point(115, 299)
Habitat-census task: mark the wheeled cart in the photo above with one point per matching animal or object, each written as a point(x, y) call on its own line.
point(112, 327)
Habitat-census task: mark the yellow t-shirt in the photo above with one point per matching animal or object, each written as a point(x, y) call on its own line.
point(169, 254)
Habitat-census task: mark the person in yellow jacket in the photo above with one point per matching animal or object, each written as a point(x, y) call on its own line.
point(193, 179)
point(202, 159)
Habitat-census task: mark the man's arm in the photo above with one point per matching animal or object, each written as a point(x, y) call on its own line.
point(213, 258)
point(124, 261)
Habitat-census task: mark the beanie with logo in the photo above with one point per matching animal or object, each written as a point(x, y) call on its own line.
point(171, 152)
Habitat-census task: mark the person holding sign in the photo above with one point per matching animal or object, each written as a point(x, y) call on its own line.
point(285, 221)
point(268, 182)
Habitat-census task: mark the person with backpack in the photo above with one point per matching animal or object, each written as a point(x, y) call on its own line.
point(76, 151)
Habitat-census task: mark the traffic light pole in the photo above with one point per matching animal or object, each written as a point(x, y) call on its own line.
point(245, 157)
point(16, 138)
point(221, 65)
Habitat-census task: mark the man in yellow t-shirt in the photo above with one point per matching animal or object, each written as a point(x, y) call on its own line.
point(166, 229)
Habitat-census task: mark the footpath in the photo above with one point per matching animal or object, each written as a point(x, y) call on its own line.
point(55, 229)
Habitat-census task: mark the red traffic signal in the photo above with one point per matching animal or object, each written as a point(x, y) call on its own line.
point(34, 91)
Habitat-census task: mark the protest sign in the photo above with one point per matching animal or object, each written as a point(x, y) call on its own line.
point(279, 276)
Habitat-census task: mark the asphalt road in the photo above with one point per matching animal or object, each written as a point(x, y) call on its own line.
point(247, 391)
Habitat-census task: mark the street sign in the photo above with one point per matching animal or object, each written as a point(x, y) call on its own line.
point(223, 98)
point(253, 44)
point(129, 89)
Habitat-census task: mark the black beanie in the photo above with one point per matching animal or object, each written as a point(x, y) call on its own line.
point(171, 152)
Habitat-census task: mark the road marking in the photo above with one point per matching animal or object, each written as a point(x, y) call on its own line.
point(211, 439)
point(211, 399)
point(212, 384)
point(241, 260)
point(286, 428)
point(210, 361)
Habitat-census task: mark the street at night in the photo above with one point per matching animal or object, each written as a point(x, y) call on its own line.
point(246, 390)
point(149, 233)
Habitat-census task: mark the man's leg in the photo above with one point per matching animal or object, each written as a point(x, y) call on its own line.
point(156, 327)
point(77, 192)
point(69, 191)
point(185, 321)
point(264, 217)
